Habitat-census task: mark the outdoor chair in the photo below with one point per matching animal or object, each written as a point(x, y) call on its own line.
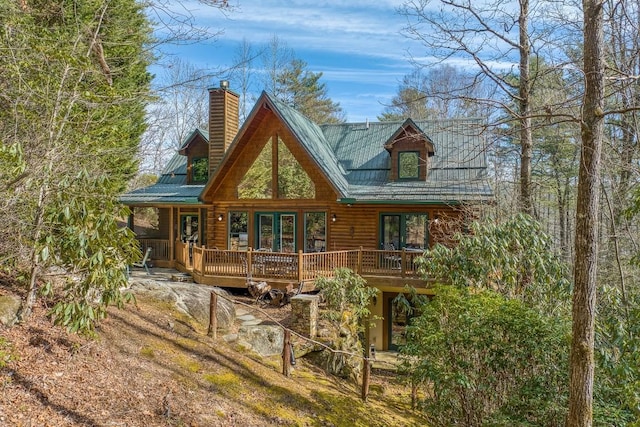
point(146, 261)
point(259, 261)
point(393, 258)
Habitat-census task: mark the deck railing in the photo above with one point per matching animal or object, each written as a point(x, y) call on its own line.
point(160, 248)
point(184, 254)
point(295, 267)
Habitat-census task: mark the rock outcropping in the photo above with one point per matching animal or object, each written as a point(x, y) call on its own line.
point(190, 298)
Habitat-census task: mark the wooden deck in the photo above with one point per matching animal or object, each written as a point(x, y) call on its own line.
point(232, 268)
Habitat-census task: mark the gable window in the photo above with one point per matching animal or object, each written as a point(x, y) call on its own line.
point(408, 165)
point(257, 183)
point(200, 169)
point(276, 161)
point(293, 181)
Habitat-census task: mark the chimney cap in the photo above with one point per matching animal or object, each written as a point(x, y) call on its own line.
point(224, 84)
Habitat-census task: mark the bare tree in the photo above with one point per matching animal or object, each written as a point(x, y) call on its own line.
point(442, 91)
point(181, 107)
point(276, 57)
point(242, 74)
point(493, 37)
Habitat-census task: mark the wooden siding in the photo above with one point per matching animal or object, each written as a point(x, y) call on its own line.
point(359, 225)
point(356, 226)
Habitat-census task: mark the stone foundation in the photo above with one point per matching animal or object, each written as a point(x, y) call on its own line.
point(304, 315)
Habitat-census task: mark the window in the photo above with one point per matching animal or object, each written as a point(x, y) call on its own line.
point(408, 231)
point(293, 181)
point(200, 169)
point(315, 231)
point(256, 184)
point(238, 231)
point(408, 165)
point(276, 231)
point(189, 228)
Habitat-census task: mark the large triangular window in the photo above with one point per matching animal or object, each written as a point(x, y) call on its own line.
point(293, 182)
point(257, 183)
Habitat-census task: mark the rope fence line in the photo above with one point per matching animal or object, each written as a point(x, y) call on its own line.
point(287, 350)
point(271, 318)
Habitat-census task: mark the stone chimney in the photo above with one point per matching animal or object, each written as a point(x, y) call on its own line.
point(223, 122)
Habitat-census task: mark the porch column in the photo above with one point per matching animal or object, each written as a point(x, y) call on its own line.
point(131, 219)
point(172, 237)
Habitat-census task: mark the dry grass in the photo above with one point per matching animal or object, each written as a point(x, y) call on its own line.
point(150, 366)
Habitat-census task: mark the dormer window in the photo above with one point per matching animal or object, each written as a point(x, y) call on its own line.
point(409, 165)
point(196, 149)
point(199, 170)
point(409, 150)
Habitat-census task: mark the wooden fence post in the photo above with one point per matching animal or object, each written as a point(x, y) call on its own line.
point(286, 354)
point(213, 316)
point(366, 376)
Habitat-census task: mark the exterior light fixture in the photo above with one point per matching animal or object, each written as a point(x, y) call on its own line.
point(333, 218)
point(220, 217)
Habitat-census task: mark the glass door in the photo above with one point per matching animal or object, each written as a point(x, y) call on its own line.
point(390, 232)
point(265, 232)
point(189, 228)
point(276, 232)
point(408, 231)
point(287, 233)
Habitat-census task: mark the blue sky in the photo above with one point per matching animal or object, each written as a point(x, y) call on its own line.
point(356, 44)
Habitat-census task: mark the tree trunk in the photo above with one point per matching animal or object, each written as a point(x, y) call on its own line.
point(586, 244)
point(524, 101)
point(34, 258)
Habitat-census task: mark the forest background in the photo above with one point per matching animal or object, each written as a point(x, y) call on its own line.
point(81, 122)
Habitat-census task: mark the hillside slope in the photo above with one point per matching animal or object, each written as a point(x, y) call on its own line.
point(151, 366)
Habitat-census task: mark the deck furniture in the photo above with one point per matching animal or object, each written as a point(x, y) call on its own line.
point(146, 261)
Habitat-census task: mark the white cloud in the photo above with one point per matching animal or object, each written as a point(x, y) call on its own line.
point(332, 26)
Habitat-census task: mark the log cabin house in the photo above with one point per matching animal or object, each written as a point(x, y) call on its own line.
point(286, 200)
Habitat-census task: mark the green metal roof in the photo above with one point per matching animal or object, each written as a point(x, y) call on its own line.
point(172, 187)
point(312, 138)
point(456, 172)
point(159, 194)
point(353, 158)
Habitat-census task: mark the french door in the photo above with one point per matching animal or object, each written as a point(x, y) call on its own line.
point(404, 231)
point(276, 231)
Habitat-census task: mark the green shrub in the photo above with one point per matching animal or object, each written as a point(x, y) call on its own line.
point(483, 359)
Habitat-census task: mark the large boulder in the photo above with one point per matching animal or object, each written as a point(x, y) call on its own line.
point(9, 308)
point(190, 298)
point(266, 340)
